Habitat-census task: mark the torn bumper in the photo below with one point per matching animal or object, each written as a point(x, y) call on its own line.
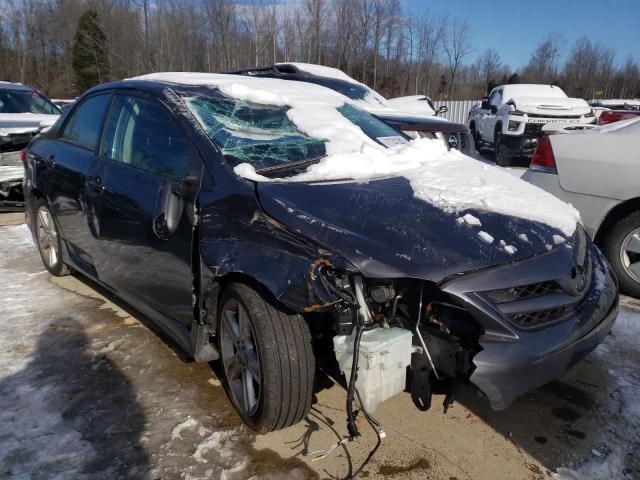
point(503, 383)
point(506, 370)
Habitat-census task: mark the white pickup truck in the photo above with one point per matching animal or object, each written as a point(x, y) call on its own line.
point(512, 117)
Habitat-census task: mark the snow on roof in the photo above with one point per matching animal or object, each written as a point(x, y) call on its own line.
point(617, 101)
point(447, 179)
point(372, 102)
point(532, 90)
point(321, 71)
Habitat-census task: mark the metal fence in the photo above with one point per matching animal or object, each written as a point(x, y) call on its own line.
point(458, 109)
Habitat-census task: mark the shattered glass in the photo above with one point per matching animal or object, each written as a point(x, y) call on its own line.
point(262, 136)
point(372, 126)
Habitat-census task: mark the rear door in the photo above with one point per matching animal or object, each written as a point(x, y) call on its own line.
point(148, 179)
point(68, 163)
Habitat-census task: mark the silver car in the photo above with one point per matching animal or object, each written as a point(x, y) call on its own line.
point(598, 172)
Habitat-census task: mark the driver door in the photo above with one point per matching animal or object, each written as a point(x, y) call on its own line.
point(148, 180)
point(489, 123)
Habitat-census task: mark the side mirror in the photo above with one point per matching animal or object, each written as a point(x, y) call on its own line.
point(494, 109)
point(485, 104)
point(442, 109)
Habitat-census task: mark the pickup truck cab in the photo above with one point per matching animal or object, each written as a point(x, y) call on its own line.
point(511, 118)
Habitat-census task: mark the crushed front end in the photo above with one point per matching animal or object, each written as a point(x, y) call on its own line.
point(507, 330)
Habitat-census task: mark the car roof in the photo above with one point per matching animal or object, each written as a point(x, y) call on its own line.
point(15, 86)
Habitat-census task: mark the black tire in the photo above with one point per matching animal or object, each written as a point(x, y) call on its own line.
point(48, 241)
point(613, 246)
point(284, 353)
point(474, 134)
point(502, 158)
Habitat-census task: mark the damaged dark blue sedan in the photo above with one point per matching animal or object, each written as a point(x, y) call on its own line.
point(259, 221)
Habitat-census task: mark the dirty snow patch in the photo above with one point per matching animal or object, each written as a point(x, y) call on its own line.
point(188, 424)
point(523, 237)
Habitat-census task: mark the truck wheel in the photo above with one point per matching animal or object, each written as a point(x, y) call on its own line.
point(502, 158)
point(48, 241)
point(476, 137)
point(267, 359)
point(621, 246)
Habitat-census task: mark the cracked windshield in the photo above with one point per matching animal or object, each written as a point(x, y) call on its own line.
point(264, 137)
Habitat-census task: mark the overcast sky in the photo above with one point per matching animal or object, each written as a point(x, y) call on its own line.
point(514, 28)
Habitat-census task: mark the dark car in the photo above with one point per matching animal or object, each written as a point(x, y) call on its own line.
point(455, 135)
point(183, 195)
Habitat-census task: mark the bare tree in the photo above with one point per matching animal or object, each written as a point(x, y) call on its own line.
point(489, 66)
point(543, 65)
point(457, 47)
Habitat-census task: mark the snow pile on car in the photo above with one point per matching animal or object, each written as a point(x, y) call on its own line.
point(447, 179)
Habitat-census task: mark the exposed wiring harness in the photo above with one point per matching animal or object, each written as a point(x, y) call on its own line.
point(353, 392)
point(362, 313)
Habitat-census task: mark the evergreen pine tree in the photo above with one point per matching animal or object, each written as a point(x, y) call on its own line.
point(89, 55)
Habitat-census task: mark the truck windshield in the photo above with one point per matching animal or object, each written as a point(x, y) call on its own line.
point(264, 137)
point(23, 101)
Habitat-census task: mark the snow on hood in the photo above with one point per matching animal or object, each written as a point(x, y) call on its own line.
point(16, 123)
point(447, 179)
point(562, 105)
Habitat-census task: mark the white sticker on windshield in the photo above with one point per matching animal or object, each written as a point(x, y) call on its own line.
point(392, 141)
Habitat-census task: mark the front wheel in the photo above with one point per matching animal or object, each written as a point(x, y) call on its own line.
point(267, 359)
point(48, 241)
point(503, 159)
point(622, 248)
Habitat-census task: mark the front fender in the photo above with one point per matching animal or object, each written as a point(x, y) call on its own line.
point(237, 239)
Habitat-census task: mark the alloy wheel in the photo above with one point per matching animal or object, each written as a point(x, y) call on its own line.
point(47, 237)
point(240, 356)
point(630, 254)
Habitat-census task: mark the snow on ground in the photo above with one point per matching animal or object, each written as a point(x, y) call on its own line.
point(619, 443)
point(86, 393)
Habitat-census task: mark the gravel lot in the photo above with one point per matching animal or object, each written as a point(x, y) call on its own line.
point(88, 390)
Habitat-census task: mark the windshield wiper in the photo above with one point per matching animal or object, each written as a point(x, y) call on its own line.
point(289, 166)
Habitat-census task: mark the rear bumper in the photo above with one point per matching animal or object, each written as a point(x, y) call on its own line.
point(507, 370)
point(593, 209)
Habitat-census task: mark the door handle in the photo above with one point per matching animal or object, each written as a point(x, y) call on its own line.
point(96, 184)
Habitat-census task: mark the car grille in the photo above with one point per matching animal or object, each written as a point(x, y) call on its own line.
point(540, 304)
point(535, 115)
point(523, 292)
point(541, 318)
point(533, 129)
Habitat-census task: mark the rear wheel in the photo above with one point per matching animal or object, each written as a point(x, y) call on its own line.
point(267, 359)
point(49, 243)
point(622, 248)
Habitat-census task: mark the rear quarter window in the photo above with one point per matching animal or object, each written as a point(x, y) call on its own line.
point(85, 123)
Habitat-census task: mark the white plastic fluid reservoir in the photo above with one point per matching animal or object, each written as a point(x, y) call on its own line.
point(384, 356)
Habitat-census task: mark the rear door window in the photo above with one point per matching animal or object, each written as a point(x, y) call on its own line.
point(84, 126)
point(142, 134)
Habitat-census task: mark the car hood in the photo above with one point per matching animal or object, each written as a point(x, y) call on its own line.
point(18, 123)
point(556, 106)
point(386, 232)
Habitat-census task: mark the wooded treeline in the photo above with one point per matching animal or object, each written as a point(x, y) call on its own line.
point(374, 41)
